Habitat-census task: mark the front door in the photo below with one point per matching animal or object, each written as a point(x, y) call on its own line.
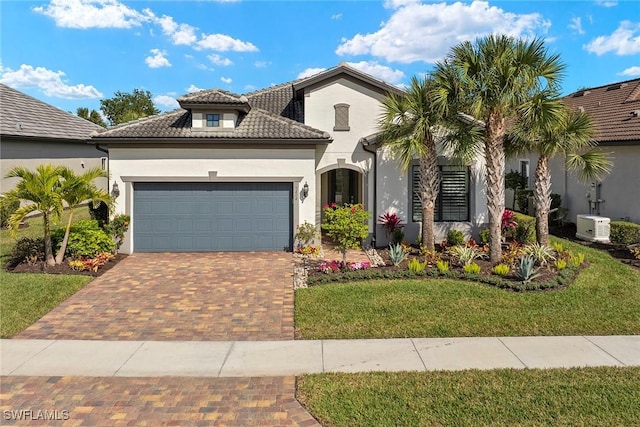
point(344, 187)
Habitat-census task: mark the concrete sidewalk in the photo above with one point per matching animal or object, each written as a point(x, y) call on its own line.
point(281, 358)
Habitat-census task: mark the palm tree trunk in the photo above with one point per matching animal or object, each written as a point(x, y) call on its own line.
point(65, 239)
point(494, 157)
point(48, 249)
point(429, 187)
point(542, 195)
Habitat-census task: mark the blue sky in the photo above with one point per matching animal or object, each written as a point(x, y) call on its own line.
point(72, 53)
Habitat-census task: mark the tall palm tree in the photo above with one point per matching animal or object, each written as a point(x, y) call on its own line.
point(549, 128)
point(41, 189)
point(491, 80)
point(76, 189)
point(407, 123)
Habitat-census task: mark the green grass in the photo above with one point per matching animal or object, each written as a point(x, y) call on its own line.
point(558, 397)
point(604, 300)
point(24, 298)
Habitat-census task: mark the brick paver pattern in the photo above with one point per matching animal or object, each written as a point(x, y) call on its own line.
point(180, 297)
point(167, 401)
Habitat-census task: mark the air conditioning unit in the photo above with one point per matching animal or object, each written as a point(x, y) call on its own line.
point(593, 228)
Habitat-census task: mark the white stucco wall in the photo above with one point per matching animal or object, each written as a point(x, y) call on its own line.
point(296, 165)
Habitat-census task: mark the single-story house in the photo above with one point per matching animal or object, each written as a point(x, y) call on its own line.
point(615, 112)
point(34, 133)
point(241, 172)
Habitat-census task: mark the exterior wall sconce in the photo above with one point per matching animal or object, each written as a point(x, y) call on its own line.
point(115, 191)
point(305, 190)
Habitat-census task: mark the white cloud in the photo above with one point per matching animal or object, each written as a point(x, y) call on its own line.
point(336, 16)
point(219, 60)
point(193, 88)
point(607, 3)
point(158, 59)
point(50, 82)
point(226, 80)
point(309, 72)
point(425, 32)
point(631, 71)
point(625, 40)
point(380, 71)
point(262, 64)
point(223, 43)
point(166, 101)
point(180, 34)
point(93, 14)
point(576, 25)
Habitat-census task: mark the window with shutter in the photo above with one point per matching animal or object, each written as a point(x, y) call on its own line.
point(342, 117)
point(452, 203)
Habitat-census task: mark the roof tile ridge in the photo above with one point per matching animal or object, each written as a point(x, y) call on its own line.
point(634, 95)
point(146, 118)
point(271, 88)
point(292, 122)
point(602, 86)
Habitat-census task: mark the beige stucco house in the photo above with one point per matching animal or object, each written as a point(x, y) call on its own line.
point(241, 172)
point(33, 132)
point(615, 112)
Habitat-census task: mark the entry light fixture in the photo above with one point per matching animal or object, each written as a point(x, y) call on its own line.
point(115, 191)
point(305, 190)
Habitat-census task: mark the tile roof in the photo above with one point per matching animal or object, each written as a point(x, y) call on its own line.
point(24, 116)
point(611, 108)
point(212, 96)
point(258, 124)
point(279, 100)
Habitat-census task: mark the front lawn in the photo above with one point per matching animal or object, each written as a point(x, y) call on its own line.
point(24, 298)
point(604, 300)
point(575, 397)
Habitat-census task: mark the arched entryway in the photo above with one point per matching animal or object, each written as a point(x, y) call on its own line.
point(341, 186)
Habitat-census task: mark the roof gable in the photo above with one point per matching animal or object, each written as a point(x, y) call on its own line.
point(214, 98)
point(24, 116)
point(614, 109)
point(345, 70)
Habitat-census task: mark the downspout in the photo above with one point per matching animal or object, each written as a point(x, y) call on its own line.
point(365, 145)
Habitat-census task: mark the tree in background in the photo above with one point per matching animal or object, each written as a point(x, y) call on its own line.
point(92, 116)
point(124, 107)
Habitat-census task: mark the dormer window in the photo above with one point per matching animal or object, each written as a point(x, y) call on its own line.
point(342, 117)
point(213, 120)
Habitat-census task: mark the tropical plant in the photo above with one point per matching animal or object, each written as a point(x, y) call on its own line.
point(560, 264)
point(86, 239)
point(501, 269)
point(442, 266)
point(76, 189)
point(513, 253)
point(431, 257)
point(494, 79)
point(472, 268)
point(455, 238)
point(116, 228)
point(305, 234)
point(466, 254)
point(7, 208)
point(390, 222)
point(576, 260)
point(485, 236)
point(508, 221)
point(347, 226)
point(397, 254)
point(541, 253)
point(407, 123)
point(548, 127)
point(41, 190)
point(415, 266)
point(525, 271)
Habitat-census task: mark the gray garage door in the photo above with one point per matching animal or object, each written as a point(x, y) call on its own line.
point(207, 216)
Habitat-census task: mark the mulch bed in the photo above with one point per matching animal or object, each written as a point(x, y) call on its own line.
point(63, 268)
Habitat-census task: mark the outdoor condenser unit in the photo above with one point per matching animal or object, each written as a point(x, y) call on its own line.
point(593, 228)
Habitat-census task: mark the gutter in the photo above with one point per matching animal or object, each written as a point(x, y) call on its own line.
point(366, 143)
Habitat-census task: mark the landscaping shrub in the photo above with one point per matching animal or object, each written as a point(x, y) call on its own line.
point(415, 266)
point(391, 223)
point(346, 225)
point(7, 208)
point(29, 250)
point(86, 240)
point(305, 234)
point(625, 232)
point(522, 197)
point(116, 229)
point(472, 268)
point(100, 213)
point(485, 236)
point(501, 269)
point(525, 231)
point(455, 238)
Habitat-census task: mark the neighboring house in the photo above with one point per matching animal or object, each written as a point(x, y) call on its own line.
point(232, 172)
point(615, 111)
point(33, 133)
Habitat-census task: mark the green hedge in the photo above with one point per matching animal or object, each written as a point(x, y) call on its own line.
point(625, 232)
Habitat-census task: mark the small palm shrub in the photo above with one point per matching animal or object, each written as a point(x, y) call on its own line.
point(472, 268)
point(466, 254)
point(415, 266)
point(397, 254)
point(501, 269)
point(455, 237)
point(560, 264)
point(443, 266)
point(526, 270)
point(541, 253)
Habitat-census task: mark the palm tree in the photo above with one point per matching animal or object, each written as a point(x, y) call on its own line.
point(42, 189)
point(407, 123)
point(550, 128)
point(492, 80)
point(76, 189)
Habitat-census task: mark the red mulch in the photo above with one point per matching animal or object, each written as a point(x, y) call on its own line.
point(63, 268)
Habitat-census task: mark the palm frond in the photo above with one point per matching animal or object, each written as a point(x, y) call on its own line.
point(589, 166)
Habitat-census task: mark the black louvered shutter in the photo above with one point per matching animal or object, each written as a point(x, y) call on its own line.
point(453, 199)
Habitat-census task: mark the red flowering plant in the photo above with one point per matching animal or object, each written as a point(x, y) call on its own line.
point(335, 266)
point(508, 220)
point(390, 222)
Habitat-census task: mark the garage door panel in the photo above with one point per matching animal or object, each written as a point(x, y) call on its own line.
point(212, 216)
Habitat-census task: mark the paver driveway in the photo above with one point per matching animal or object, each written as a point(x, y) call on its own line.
point(185, 296)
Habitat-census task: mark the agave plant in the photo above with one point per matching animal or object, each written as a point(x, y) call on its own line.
point(526, 270)
point(397, 254)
